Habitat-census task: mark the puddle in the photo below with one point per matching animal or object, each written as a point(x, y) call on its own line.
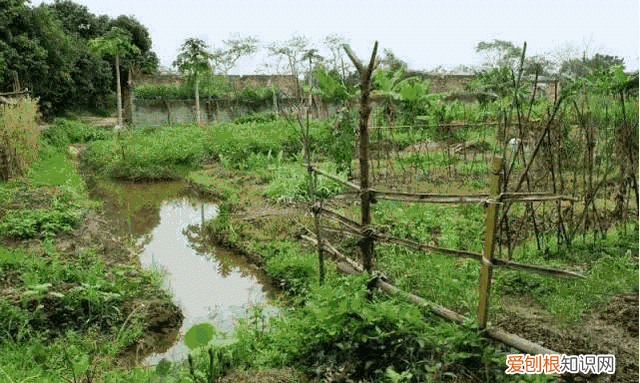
point(210, 285)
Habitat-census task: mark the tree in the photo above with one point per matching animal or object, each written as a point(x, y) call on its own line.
point(116, 43)
point(586, 66)
point(337, 63)
point(499, 53)
point(311, 55)
point(193, 61)
point(293, 50)
point(391, 62)
point(237, 47)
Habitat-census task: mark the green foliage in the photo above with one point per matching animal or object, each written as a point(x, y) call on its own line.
point(368, 337)
point(199, 335)
point(193, 58)
point(581, 67)
point(261, 117)
point(48, 46)
point(70, 319)
point(331, 88)
point(148, 154)
point(163, 92)
point(608, 267)
point(26, 224)
point(495, 80)
point(290, 182)
point(294, 269)
point(64, 132)
point(257, 95)
point(409, 94)
point(116, 42)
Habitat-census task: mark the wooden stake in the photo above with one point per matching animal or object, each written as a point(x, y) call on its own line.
point(366, 245)
point(489, 243)
point(316, 220)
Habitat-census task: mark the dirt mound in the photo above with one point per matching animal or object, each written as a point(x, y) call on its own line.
point(612, 328)
point(622, 312)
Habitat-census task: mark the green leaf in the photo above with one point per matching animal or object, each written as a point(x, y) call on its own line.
point(199, 335)
point(163, 367)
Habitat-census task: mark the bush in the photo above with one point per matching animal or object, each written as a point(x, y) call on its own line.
point(28, 223)
point(64, 132)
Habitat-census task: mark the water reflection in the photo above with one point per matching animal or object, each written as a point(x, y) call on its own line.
point(210, 285)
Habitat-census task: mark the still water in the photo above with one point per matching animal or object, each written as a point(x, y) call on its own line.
point(208, 284)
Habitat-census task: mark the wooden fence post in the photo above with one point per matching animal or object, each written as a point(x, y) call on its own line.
point(495, 184)
point(366, 244)
point(317, 207)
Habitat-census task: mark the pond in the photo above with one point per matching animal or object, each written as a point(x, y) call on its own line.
point(209, 284)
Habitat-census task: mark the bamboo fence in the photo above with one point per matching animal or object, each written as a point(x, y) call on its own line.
point(369, 234)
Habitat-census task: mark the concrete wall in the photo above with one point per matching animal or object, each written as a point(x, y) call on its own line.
point(151, 112)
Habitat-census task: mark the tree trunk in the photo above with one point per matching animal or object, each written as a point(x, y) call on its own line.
point(130, 98)
point(198, 100)
point(118, 90)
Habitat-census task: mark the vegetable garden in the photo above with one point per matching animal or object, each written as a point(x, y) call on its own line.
point(565, 198)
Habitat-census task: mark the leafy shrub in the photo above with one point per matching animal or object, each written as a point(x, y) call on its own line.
point(294, 268)
point(258, 95)
point(260, 117)
point(163, 92)
point(28, 223)
point(13, 320)
point(64, 132)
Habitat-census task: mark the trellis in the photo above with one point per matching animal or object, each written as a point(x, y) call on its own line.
point(369, 234)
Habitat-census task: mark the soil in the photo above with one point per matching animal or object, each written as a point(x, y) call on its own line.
point(612, 328)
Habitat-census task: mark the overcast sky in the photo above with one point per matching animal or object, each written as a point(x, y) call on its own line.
point(425, 34)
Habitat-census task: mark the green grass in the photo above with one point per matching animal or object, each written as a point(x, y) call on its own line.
point(52, 199)
point(290, 182)
point(162, 153)
point(67, 318)
point(608, 266)
point(63, 317)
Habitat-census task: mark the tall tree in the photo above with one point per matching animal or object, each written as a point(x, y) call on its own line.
point(293, 50)
point(391, 62)
point(499, 54)
point(586, 66)
point(116, 43)
point(193, 61)
point(224, 59)
point(312, 56)
point(337, 63)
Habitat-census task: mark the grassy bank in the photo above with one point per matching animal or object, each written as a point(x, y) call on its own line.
point(71, 307)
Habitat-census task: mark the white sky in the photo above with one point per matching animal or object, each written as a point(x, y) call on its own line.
point(425, 34)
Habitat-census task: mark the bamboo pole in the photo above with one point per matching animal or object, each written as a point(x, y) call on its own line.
point(316, 220)
point(333, 177)
point(507, 264)
point(489, 244)
point(499, 335)
point(346, 221)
